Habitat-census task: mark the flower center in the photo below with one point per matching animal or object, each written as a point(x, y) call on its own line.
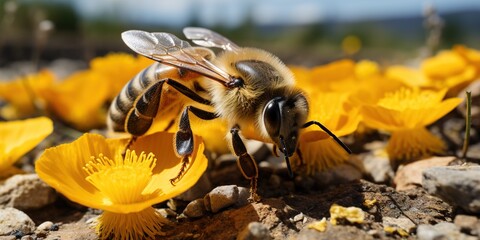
point(122, 181)
point(408, 99)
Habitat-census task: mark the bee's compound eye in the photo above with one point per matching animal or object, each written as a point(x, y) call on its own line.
point(272, 117)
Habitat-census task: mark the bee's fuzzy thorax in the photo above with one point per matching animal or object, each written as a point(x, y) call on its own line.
point(240, 103)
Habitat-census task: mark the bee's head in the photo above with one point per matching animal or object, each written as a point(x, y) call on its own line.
point(282, 118)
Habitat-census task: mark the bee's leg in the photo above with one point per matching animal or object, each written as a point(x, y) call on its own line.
point(184, 137)
point(245, 162)
point(129, 143)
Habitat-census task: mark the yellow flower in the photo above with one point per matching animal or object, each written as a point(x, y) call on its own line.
point(410, 76)
point(406, 113)
point(117, 69)
point(449, 69)
point(91, 171)
point(23, 94)
point(19, 137)
point(351, 44)
point(328, 77)
point(79, 100)
point(472, 56)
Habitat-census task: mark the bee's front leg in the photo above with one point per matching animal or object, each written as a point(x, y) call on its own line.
point(184, 137)
point(245, 162)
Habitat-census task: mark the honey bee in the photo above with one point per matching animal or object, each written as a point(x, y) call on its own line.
point(250, 88)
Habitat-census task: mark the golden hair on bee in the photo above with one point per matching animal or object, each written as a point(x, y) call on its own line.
point(236, 103)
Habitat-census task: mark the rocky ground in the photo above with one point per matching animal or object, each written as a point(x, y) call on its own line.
point(436, 198)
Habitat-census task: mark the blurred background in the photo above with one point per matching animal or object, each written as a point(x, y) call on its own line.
point(301, 32)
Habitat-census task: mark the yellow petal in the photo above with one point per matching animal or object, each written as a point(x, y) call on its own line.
point(366, 68)
point(19, 137)
point(441, 110)
point(413, 144)
point(24, 93)
point(381, 118)
point(444, 64)
point(411, 77)
point(319, 151)
point(334, 112)
point(407, 108)
point(80, 100)
point(471, 55)
point(117, 69)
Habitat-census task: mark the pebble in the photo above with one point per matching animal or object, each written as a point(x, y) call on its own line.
point(443, 230)
point(243, 196)
point(254, 231)
point(458, 185)
point(468, 224)
point(221, 197)
point(400, 222)
point(298, 217)
point(339, 174)
point(45, 226)
point(13, 220)
point(7, 237)
point(377, 165)
point(410, 175)
point(167, 213)
point(26, 192)
point(195, 209)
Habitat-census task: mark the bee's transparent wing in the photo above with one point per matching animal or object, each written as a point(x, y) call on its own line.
point(168, 49)
point(208, 38)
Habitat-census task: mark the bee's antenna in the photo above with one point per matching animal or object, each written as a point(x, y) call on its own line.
point(308, 124)
point(287, 160)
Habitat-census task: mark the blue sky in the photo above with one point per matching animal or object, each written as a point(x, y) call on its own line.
point(233, 12)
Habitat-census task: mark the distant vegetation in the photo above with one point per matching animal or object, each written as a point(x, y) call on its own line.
point(74, 37)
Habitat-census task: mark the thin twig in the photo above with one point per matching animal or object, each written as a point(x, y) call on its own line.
point(468, 122)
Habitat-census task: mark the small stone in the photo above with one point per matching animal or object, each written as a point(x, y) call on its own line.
point(195, 209)
point(468, 224)
point(298, 217)
point(55, 227)
point(243, 196)
point(25, 192)
point(377, 165)
point(13, 220)
point(400, 222)
point(7, 237)
point(443, 230)
point(254, 231)
point(221, 197)
point(167, 213)
point(410, 175)
point(458, 185)
point(27, 237)
point(339, 174)
point(45, 226)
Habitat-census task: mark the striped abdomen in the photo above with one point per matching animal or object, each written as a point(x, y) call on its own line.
point(133, 110)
